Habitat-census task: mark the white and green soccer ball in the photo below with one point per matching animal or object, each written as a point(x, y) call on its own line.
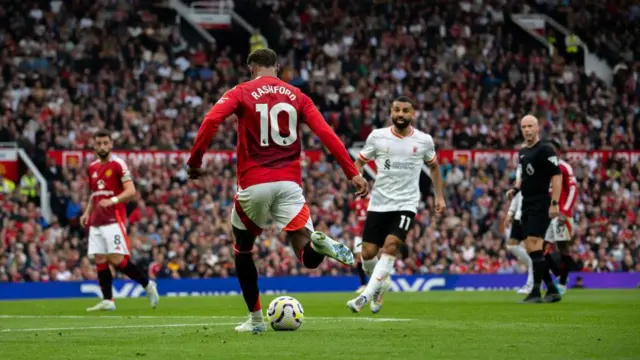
point(285, 314)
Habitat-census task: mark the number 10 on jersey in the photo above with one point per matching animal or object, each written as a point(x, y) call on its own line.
point(270, 117)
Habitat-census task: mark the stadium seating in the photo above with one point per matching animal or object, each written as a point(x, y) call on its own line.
point(118, 67)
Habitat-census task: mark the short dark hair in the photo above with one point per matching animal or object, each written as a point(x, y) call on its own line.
point(102, 133)
point(263, 57)
point(404, 99)
point(556, 144)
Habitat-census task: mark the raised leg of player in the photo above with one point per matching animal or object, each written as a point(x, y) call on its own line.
point(521, 254)
point(248, 277)
point(541, 273)
point(127, 267)
point(323, 244)
point(302, 245)
point(380, 279)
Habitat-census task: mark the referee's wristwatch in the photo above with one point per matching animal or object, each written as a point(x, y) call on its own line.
point(554, 202)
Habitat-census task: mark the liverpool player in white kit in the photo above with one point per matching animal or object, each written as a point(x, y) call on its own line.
point(111, 187)
point(399, 152)
point(269, 175)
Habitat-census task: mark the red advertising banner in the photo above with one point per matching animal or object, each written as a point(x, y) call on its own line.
point(479, 156)
point(9, 164)
point(73, 158)
point(488, 156)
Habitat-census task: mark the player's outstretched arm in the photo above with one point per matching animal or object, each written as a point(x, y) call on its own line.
point(225, 107)
point(328, 137)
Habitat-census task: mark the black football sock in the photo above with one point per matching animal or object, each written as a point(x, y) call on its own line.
point(248, 278)
point(548, 280)
point(567, 265)
point(552, 264)
point(311, 259)
point(131, 270)
point(105, 279)
point(539, 268)
point(361, 274)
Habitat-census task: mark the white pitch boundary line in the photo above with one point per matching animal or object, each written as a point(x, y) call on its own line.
point(336, 318)
point(370, 319)
point(114, 327)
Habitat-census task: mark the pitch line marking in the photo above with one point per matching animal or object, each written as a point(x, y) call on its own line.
point(327, 318)
point(113, 327)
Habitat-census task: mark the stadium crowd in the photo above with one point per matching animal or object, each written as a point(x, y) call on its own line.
point(69, 69)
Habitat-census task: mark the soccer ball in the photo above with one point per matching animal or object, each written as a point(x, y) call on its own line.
point(285, 314)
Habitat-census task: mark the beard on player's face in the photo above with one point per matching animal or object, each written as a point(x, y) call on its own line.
point(401, 122)
point(103, 154)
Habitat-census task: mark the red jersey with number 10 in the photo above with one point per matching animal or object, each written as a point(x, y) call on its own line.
point(106, 179)
point(269, 112)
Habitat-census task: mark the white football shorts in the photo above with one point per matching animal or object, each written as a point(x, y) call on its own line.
point(108, 239)
point(560, 229)
point(282, 202)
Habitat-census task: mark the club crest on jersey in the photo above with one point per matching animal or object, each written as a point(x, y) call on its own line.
point(530, 170)
point(100, 184)
point(108, 173)
point(415, 149)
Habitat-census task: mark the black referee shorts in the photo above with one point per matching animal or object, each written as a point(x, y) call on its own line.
point(379, 225)
point(535, 218)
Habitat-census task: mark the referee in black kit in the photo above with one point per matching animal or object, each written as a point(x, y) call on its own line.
point(539, 167)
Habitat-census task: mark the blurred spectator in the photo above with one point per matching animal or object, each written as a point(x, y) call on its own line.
point(73, 67)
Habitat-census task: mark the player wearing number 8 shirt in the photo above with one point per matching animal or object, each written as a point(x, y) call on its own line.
point(399, 152)
point(111, 187)
point(269, 174)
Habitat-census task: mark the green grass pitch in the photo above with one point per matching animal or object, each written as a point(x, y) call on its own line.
point(587, 324)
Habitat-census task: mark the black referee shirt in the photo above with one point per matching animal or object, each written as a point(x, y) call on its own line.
point(538, 164)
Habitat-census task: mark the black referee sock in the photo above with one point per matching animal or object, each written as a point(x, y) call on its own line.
point(131, 270)
point(539, 269)
point(361, 274)
point(311, 259)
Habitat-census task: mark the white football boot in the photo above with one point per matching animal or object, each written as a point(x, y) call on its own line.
point(376, 302)
point(104, 305)
point(525, 289)
point(356, 304)
point(331, 248)
point(152, 294)
point(252, 326)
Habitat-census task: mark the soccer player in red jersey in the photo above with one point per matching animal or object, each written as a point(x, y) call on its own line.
point(111, 187)
point(270, 112)
point(561, 227)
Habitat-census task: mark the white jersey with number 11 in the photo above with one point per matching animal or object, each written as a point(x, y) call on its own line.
point(399, 161)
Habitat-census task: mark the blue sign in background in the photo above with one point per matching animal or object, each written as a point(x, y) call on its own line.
point(292, 284)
